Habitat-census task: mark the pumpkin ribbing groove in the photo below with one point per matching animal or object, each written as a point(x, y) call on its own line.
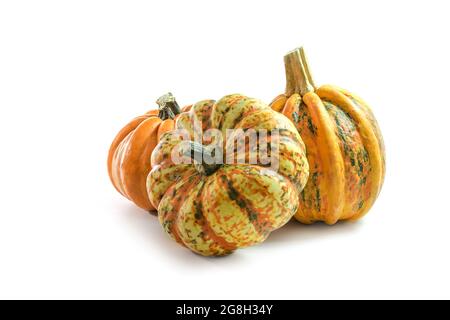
point(208, 231)
point(370, 141)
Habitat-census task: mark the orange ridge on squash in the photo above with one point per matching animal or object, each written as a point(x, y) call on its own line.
point(345, 148)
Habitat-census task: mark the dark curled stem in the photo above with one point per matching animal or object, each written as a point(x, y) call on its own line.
point(168, 107)
point(203, 157)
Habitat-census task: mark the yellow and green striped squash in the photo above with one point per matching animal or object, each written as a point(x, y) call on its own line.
point(344, 146)
point(214, 212)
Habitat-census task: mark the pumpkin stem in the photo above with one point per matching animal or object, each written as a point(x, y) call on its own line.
point(204, 158)
point(298, 76)
point(168, 107)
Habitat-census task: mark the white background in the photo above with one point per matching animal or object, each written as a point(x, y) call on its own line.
point(73, 72)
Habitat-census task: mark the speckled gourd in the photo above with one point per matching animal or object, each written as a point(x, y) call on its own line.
point(216, 209)
point(344, 145)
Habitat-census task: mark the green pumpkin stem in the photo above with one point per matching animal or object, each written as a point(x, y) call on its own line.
point(168, 107)
point(203, 158)
point(298, 76)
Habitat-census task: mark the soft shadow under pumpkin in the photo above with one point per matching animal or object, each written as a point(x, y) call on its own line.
point(295, 232)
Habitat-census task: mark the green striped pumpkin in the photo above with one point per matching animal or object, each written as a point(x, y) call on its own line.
point(215, 209)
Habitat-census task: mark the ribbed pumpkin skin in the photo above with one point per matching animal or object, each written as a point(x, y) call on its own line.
point(345, 152)
point(130, 152)
point(239, 204)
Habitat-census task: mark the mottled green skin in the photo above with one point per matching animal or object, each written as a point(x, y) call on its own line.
point(238, 205)
point(345, 151)
point(356, 158)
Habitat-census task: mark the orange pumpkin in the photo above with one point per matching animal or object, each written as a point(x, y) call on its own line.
point(343, 141)
point(130, 152)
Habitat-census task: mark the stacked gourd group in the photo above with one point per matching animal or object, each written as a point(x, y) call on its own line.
point(331, 163)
